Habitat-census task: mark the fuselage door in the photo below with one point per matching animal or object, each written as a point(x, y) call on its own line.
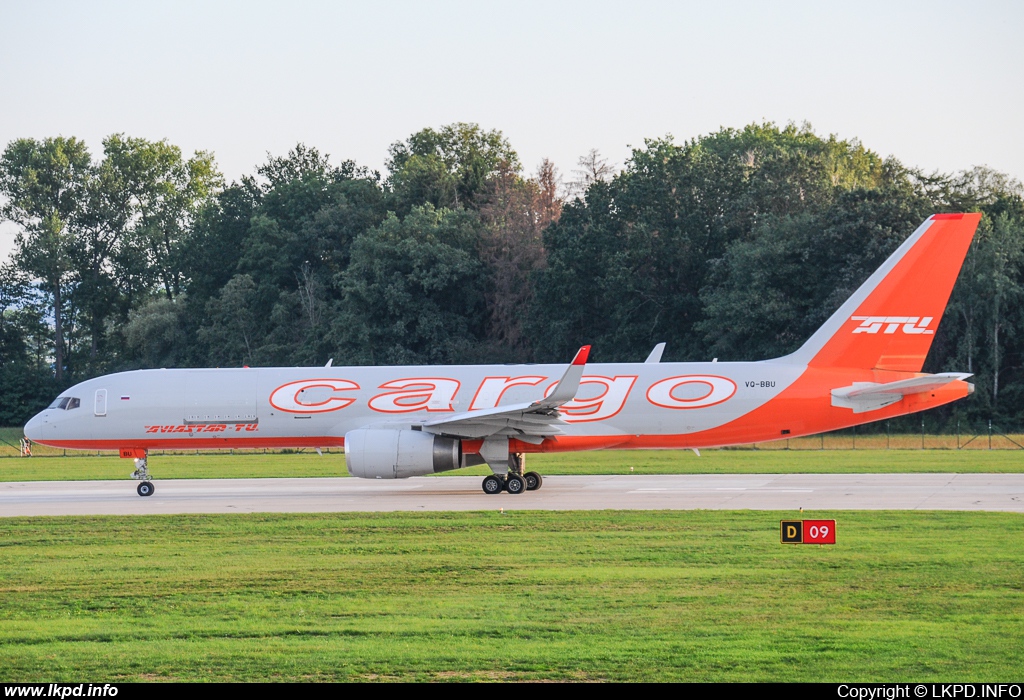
point(100, 406)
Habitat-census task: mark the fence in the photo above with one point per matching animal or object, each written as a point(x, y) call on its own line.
point(850, 439)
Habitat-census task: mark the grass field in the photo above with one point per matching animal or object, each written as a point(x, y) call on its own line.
point(834, 453)
point(842, 440)
point(686, 595)
point(222, 465)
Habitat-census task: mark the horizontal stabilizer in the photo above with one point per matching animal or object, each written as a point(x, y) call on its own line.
point(870, 396)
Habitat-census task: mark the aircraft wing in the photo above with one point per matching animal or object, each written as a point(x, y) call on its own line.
point(869, 396)
point(529, 422)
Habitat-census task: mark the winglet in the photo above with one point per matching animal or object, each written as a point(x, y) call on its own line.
point(581, 355)
point(565, 390)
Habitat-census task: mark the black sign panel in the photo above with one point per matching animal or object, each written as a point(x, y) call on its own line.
point(792, 531)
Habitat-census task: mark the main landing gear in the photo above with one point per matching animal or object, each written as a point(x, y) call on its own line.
point(514, 481)
point(141, 473)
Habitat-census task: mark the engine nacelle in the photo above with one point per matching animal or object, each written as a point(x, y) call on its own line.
point(375, 453)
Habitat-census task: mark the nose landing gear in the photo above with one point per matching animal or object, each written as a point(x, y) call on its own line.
point(141, 473)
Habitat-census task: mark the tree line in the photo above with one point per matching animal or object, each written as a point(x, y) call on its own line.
point(736, 244)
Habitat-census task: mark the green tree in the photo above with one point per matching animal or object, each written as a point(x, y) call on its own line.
point(100, 236)
point(46, 186)
point(447, 167)
point(771, 290)
point(154, 334)
point(985, 318)
point(141, 198)
point(299, 240)
point(26, 380)
point(289, 232)
point(162, 193)
point(234, 331)
point(627, 262)
point(215, 242)
point(413, 291)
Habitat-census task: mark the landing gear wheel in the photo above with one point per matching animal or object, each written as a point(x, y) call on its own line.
point(492, 484)
point(515, 484)
point(146, 488)
point(533, 481)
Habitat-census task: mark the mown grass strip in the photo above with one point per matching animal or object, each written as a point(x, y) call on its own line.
point(838, 440)
point(683, 595)
point(223, 465)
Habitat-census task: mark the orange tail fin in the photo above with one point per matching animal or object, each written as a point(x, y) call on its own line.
point(889, 323)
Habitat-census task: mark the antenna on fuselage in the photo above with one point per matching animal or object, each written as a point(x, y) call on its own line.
point(655, 355)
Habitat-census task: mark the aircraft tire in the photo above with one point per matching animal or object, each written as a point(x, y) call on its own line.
point(533, 481)
point(145, 488)
point(515, 484)
point(492, 484)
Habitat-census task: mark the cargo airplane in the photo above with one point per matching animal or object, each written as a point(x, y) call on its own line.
point(864, 364)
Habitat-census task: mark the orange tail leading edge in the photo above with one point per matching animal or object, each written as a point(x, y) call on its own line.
point(890, 322)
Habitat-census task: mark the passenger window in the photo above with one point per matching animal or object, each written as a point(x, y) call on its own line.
point(74, 403)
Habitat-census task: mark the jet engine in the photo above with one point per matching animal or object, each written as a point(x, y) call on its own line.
point(373, 453)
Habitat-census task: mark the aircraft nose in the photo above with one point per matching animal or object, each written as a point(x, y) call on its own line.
point(34, 428)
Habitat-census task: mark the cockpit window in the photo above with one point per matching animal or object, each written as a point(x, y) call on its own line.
point(74, 403)
point(65, 403)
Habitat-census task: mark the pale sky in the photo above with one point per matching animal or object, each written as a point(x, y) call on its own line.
point(939, 85)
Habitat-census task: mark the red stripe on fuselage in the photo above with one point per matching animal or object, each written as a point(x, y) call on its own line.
point(196, 443)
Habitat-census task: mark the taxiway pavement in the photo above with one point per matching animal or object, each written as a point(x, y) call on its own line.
point(787, 492)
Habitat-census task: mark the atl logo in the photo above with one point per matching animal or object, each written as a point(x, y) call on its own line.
point(912, 325)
